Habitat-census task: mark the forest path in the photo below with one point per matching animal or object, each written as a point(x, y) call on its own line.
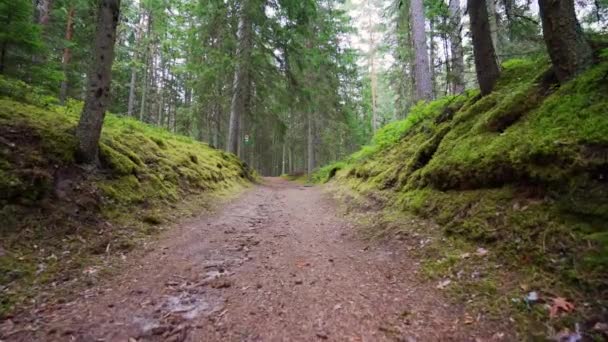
point(277, 264)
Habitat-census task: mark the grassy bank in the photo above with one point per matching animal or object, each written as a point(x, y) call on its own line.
point(59, 217)
point(522, 172)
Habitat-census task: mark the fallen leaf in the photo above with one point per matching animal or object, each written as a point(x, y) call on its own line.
point(558, 304)
point(468, 319)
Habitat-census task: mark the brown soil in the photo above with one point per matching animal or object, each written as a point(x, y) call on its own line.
point(277, 264)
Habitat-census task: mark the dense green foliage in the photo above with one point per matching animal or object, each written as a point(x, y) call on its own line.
point(175, 66)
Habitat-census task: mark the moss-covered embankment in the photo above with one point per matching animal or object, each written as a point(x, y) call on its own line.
point(58, 217)
point(522, 172)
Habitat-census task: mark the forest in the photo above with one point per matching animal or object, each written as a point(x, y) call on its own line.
point(468, 138)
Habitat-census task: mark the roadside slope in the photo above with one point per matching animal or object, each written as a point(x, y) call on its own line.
point(59, 217)
point(521, 172)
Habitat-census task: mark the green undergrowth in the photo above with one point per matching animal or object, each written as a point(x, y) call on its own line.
point(58, 217)
point(522, 172)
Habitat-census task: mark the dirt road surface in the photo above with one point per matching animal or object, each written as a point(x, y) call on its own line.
point(276, 264)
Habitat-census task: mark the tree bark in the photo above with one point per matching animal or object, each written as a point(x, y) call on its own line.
point(133, 83)
point(2, 56)
point(569, 51)
point(491, 5)
point(457, 67)
point(486, 65)
point(100, 79)
point(241, 81)
point(432, 56)
point(44, 12)
point(310, 145)
point(67, 55)
point(372, 69)
point(147, 69)
point(422, 75)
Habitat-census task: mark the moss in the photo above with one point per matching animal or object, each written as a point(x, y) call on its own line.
point(50, 207)
point(521, 171)
point(118, 162)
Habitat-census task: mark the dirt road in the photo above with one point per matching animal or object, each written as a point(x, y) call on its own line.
point(277, 264)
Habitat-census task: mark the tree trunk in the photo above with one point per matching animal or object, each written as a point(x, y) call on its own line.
point(100, 79)
point(44, 12)
point(422, 75)
point(133, 83)
point(372, 70)
point(284, 157)
point(456, 50)
point(2, 57)
point(241, 81)
point(310, 145)
point(147, 60)
point(432, 56)
point(67, 55)
point(486, 64)
point(493, 26)
point(569, 50)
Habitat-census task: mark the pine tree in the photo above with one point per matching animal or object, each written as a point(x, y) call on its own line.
point(100, 78)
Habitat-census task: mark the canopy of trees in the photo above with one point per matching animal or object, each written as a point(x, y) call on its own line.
point(279, 82)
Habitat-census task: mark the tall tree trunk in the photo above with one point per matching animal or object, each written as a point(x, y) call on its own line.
point(100, 79)
point(2, 56)
point(290, 160)
point(147, 69)
point(372, 69)
point(493, 25)
point(44, 12)
point(67, 55)
point(569, 50)
point(160, 92)
point(284, 157)
point(432, 56)
point(509, 9)
point(133, 83)
point(456, 50)
point(486, 65)
point(445, 40)
point(310, 143)
point(241, 81)
point(422, 75)
point(132, 86)
point(144, 91)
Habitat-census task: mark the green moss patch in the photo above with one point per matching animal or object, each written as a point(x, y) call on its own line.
point(52, 209)
point(522, 172)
